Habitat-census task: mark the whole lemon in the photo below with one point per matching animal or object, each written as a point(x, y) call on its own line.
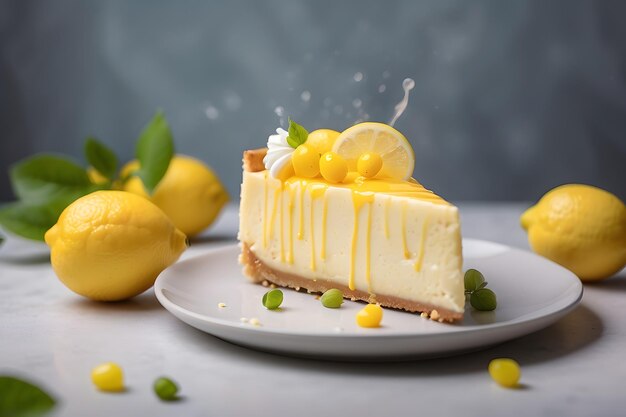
point(322, 140)
point(580, 227)
point(190, 193)
point(111, 245)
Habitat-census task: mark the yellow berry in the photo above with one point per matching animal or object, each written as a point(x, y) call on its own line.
point(322, 140)
point(369, 164)
point(108, 377)
point(333, 167)
point(306, 161)
point(505, 372)
point(370, 316)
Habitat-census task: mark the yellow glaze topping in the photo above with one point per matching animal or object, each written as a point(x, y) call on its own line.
point(359, 184)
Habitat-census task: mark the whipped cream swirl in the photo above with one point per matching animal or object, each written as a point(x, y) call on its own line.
point(278, 152)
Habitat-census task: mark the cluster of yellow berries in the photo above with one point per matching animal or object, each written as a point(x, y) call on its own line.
point(315, 157)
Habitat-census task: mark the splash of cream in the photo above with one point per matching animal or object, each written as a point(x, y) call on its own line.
point(407, 85)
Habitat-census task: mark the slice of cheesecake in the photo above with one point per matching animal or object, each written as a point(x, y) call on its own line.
point(379, 240)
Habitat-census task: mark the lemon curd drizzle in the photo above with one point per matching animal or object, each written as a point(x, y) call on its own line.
point(407, 254)
point(282, 232)
point(359, 199)
point(317, 191)
point(363, 191)
point(303, 186)
point(292, 198)
point(368, 242)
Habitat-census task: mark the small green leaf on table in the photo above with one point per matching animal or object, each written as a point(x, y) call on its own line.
point(101, 157)
point(19, 398)
point(154, 151)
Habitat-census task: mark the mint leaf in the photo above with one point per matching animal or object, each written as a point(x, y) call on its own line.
point(154, 151)
point(41, 178)
point(297, 134)
point(32, 221)
point(101, 157)
point(19, 398)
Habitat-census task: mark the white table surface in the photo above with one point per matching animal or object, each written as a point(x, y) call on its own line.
point(54, 337)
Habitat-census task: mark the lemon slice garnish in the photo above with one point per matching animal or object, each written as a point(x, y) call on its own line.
point(394, 149)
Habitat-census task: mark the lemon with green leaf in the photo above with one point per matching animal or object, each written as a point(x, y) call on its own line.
point(189, 193)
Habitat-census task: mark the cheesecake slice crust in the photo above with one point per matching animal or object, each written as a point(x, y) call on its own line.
point(289, 259)
point(258, 272)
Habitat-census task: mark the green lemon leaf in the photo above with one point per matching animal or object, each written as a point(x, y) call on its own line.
point(32, 221)
point(101, 157)
point(19, 398)
point(484, 300)
point(473, 280)
point(297, 134)
point(43, 177)
point(154, 151)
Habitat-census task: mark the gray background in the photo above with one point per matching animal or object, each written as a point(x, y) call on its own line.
point(512, 97)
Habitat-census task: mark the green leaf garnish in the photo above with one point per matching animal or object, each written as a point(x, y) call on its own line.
point(154, 151)
point(483, 300)
point(41, 178)
point(101, 157)
point(473, 279)
point(297, 134)
point(19, 398)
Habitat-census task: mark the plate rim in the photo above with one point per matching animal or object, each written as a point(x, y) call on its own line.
point(568, 305)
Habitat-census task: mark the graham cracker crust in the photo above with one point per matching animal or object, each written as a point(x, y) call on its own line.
point(253, 160)
point(259, 272)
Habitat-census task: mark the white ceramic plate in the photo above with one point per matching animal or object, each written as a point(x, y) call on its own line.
point(532, 294)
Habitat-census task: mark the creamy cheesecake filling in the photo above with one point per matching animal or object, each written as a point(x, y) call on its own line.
point(392, 238)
